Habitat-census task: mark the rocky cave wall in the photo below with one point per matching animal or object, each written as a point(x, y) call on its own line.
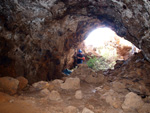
point(38, 37)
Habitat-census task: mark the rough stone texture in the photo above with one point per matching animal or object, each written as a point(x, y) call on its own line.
point(5, 97)
point(22, 82)
point(83, 71)
point(78, 94)
point(112, 110)
point(132, 102)
point(71, 83)
point(86, 110)
point(54, 95)
point(40, 85)
point(99, 78)
point(70, 109)
point(113, 98)
point(39, 37)
point(9, 85)
point(44, 92)
point(145, 108)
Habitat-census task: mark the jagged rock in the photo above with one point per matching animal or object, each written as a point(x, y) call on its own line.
point(44, 92)
point(71, 109)
point(78, 94)
point(145, 108)
point(95, 78)
point(9, 85)
point(132, 102)
point(71, 83)
point(40, 85)
point(22, 82)
point(86, 110)
point(54, 95)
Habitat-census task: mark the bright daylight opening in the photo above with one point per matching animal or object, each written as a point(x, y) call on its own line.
point(103, 47)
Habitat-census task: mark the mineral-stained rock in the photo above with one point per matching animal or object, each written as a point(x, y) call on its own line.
point(9, 85)
point(132, 102)
point(78, 94)
point(70, 109)
point(71, 83)
point(22, 82)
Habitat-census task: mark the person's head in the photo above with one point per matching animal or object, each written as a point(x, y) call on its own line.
point(80, 51)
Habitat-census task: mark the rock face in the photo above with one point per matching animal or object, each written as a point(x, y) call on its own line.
point(38, 38)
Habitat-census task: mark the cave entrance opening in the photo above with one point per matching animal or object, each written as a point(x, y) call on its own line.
point(103, 47)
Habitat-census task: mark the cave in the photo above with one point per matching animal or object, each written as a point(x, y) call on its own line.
point(38, 39)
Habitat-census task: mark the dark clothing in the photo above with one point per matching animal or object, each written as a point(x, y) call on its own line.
point(80, 61)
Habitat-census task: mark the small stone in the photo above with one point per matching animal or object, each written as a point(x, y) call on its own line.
point(44, 92)
point(78, 94)
point(70, 109)
point(54, 95)
point(86, 110)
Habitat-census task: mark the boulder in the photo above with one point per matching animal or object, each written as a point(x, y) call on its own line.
point(54, 95)
point(78, 94)
point(86, 110)
point(9, 85)
point(22, 82)
point(132, 102)
point(70, 109)
point(71, 83)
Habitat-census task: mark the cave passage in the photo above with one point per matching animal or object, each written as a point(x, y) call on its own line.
point(103, 47)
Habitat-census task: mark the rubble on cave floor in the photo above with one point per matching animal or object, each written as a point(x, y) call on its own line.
point(123, 90)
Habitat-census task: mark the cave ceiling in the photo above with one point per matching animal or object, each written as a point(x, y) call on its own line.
point(37, 36)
